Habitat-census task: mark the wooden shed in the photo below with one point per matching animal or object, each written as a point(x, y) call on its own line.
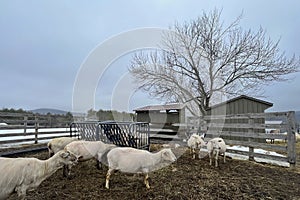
point(161, 114)
point(240, 105)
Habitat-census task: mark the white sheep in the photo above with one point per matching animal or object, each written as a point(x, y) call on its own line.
point(21, 174)
point(57, 144)
point(86, 150)
point(195, 142)
point(130, 160)
point(215, 147)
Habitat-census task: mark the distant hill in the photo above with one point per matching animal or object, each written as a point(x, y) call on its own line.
point(45, 111)
point(283, 119)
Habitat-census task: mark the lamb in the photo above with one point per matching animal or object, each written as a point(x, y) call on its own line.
point(21, 174)
point(130, 160)
point(58, 144)
point(195, 142)
point(86, 150)
point(215, 147)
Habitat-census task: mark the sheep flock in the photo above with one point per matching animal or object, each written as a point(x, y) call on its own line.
point(128, 160)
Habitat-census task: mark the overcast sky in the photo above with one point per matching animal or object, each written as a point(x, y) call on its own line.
point(44, 43)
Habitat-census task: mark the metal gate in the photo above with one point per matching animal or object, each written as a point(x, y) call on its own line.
point(123, 134)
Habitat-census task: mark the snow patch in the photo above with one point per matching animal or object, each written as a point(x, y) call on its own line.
point(260, 151)
point(260, 160)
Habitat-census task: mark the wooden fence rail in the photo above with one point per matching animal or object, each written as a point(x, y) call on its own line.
point(244, 130)
point(240, 129)
point(17, 129)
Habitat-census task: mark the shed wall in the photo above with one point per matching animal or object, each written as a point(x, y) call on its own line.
point(239, 106)
point(157, 117)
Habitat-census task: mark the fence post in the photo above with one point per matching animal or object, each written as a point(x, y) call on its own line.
point(97, 132)
point(202, 125)
point(251, 130)
point(291, 137)
point(49, 121)
point(36, 128)
point(71, 133)
point(25, 124)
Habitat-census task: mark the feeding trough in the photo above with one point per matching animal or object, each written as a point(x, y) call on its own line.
point(123, 134)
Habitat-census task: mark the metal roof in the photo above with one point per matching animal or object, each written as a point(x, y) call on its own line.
point(178, 106)
point(175, 106)
point(242, 97)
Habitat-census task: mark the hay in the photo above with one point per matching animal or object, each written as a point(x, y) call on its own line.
point(184, 179)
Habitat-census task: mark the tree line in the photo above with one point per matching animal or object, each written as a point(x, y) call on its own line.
point(91, 115)
point(7, 114)
point(107, 115)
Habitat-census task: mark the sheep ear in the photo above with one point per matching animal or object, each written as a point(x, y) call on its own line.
point(203, 135)
point(65, 154)
point(166, 153)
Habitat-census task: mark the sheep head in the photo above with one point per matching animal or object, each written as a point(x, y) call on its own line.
point(168, 155)
point(67, 157)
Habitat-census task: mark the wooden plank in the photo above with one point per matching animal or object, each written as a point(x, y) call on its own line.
point(43, 128)
point(162, 136)
point(31, 133)
point(257, 145)
point(231, 116)
point(156, 130)
point(51, 137)
point(22, 150)
point(17, 141)
point(54, 126)
point(245, 126)
point(258, 155)
point(246, 135)
point(35, 139)
point(246, 116)
point(15, 127)
point(52, 132)
point(15, 134)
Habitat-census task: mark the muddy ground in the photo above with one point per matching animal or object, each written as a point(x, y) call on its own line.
point(184, 179)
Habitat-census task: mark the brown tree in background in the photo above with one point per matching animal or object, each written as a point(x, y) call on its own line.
point(204, 59)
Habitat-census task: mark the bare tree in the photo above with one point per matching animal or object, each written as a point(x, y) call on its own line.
point(203, 58)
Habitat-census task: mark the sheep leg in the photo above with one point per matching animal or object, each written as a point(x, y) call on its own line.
point(67, 170)
point(109, 173)
point(193, 152)
point(99, 165)
point(199, 154)
point(216, 158)
point(99, 161)
point(224, 158)
point(210, 157)
point(21, 191)
point(146, 181)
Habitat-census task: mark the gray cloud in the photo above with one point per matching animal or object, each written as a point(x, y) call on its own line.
point(43, 43)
